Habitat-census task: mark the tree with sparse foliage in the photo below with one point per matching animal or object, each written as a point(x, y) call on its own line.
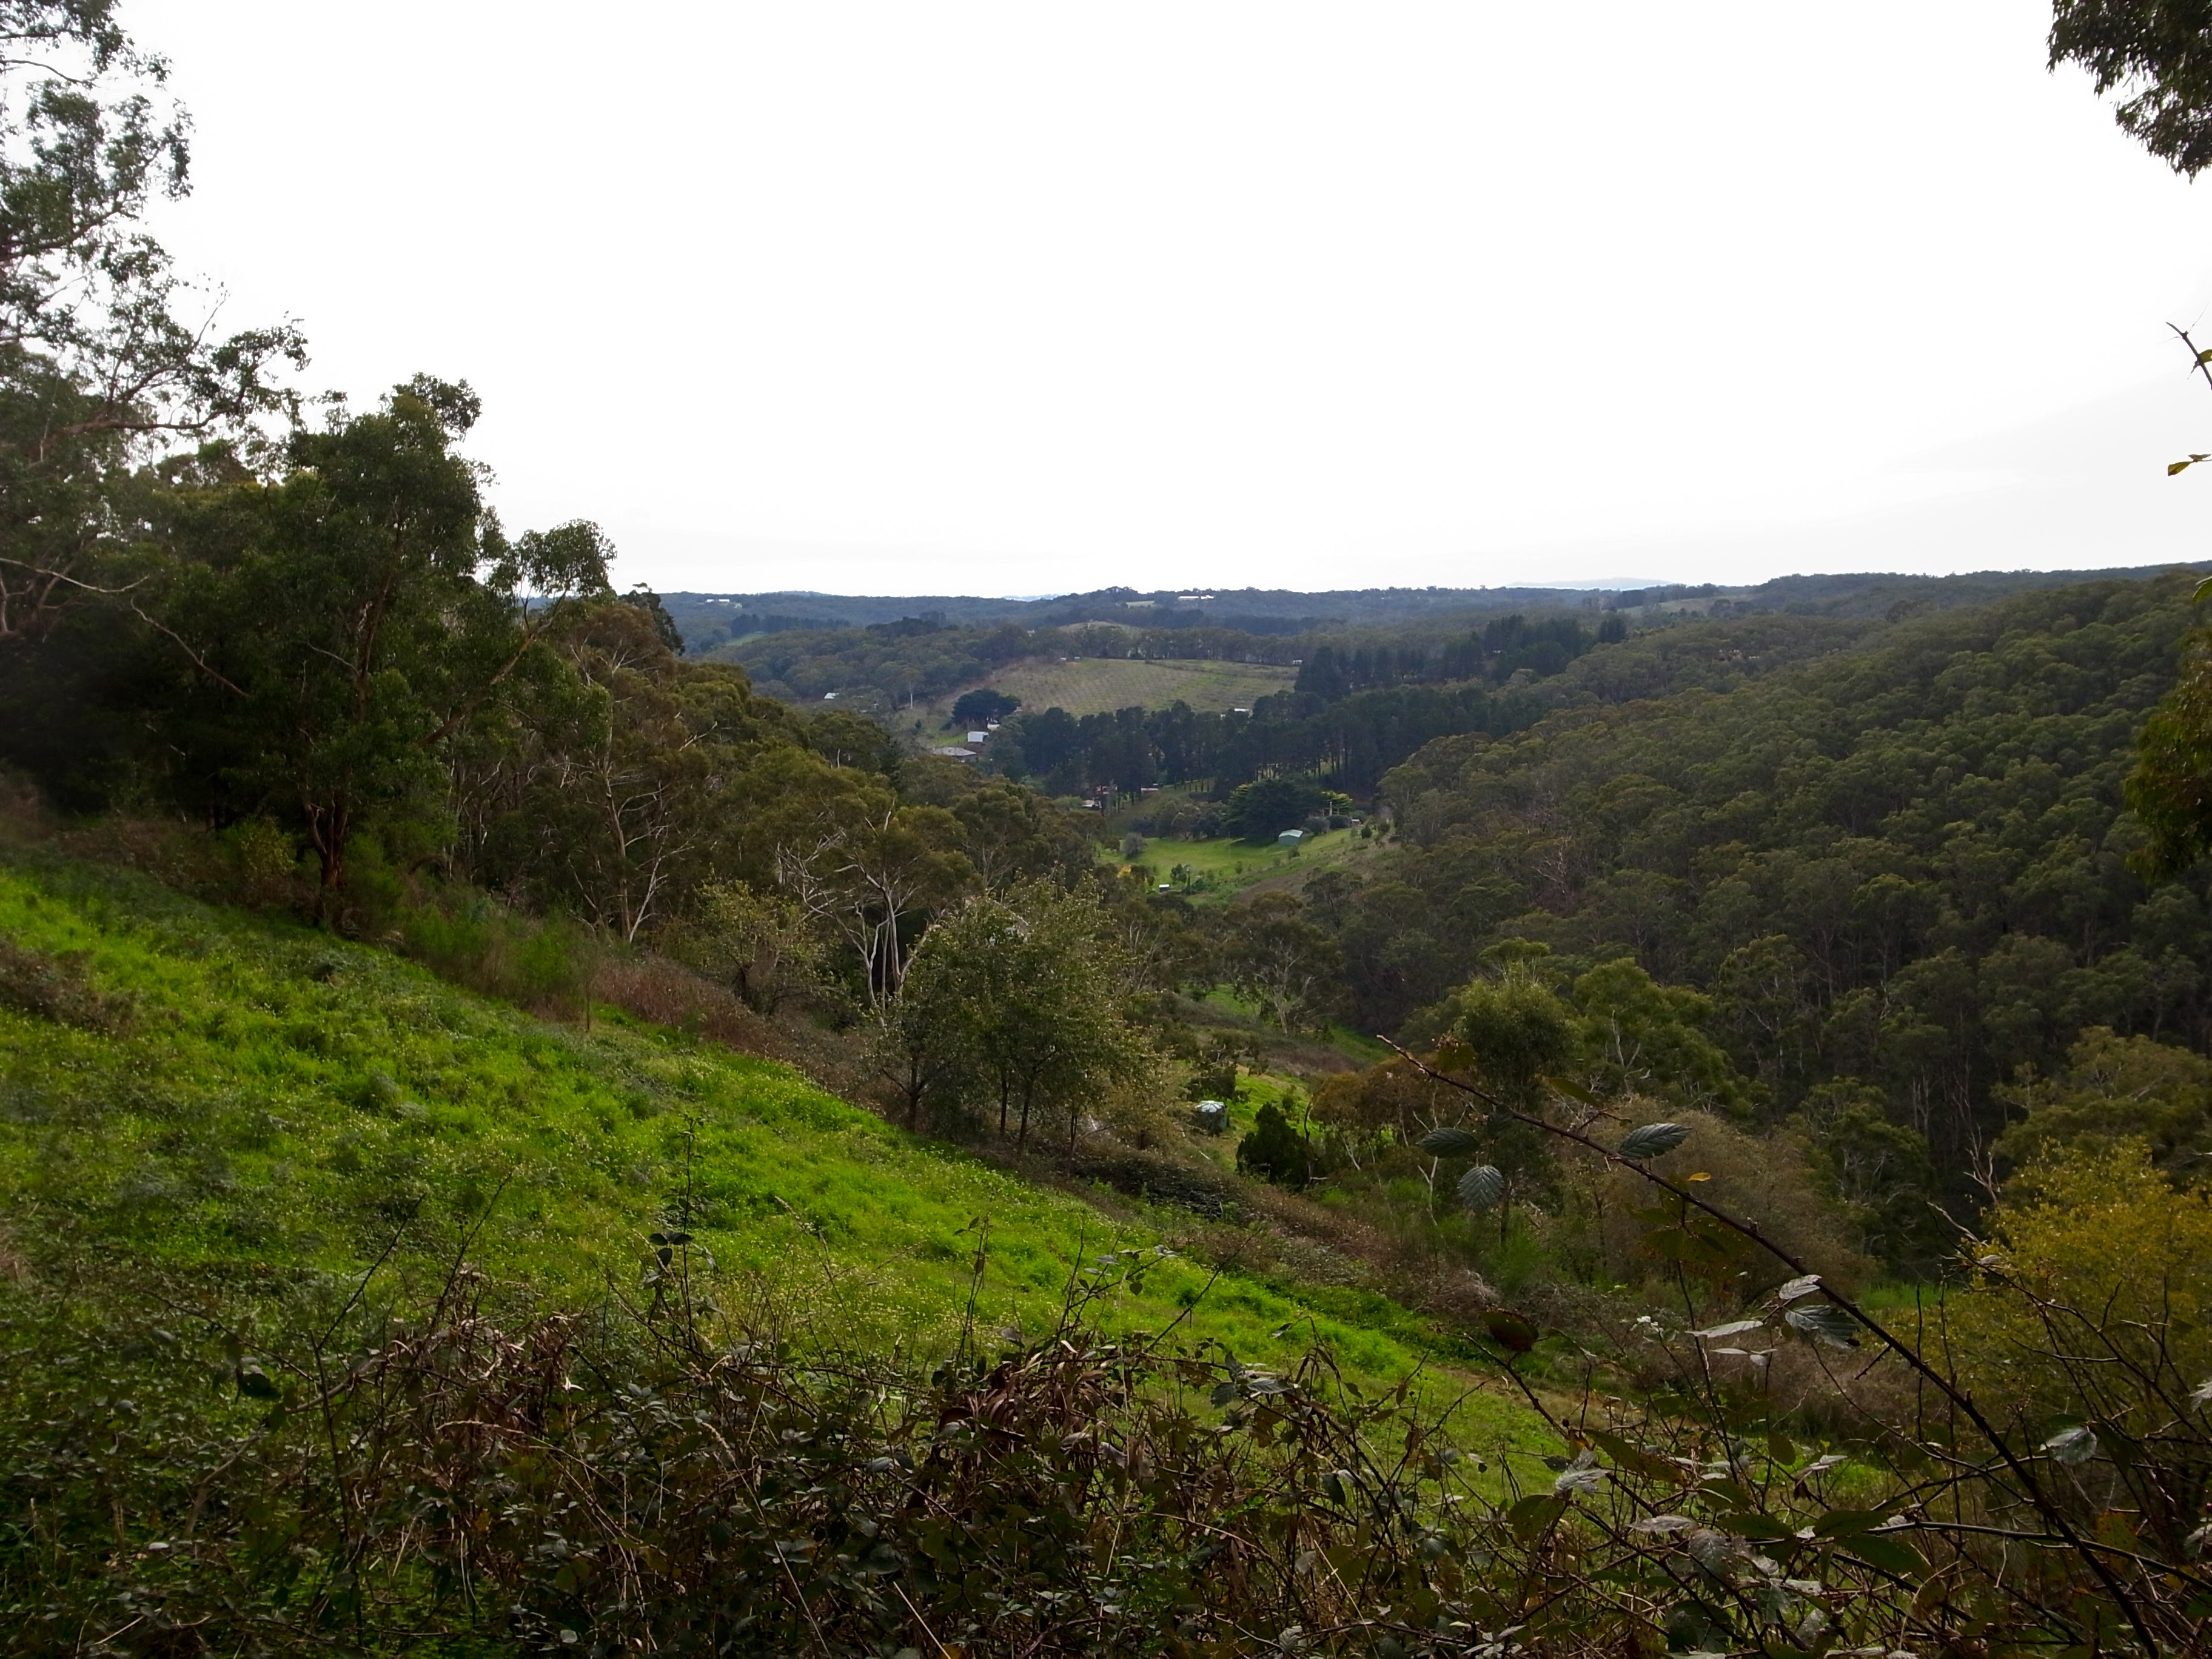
point(106, 355)
point(1276, 955)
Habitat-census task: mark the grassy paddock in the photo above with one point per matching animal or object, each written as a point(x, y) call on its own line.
point(277, 1101)
point(1099, 685)
point(1222, 868)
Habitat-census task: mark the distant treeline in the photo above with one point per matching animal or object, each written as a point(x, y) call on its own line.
point(925, 658)
point(1250, 610)
point(1497, 651)
point(1356, 711)
point(709, 621)
point(1352, 743)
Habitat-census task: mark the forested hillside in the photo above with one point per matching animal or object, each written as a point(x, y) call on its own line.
point(1901, 868)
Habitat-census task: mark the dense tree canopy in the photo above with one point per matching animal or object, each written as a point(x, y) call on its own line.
point(2158, 54)
point(1905, 867)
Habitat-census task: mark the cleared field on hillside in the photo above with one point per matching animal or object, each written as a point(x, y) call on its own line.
point(1098, 685)
point(248, 1098)
point(1220, 869)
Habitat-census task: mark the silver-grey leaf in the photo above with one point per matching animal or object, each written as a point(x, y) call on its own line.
point(1654, 1139)
point(1734, 1328)
point(2074, 1445)
point(1825, 1321)
point(1797, 1287)
point(1449, 1143)
point(1481, 1187)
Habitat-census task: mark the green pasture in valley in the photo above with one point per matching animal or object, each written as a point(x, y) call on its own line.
point(1098, 685)
point(1221, 868)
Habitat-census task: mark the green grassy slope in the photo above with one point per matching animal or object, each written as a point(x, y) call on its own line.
point(278, 1100)
point(1223, 868)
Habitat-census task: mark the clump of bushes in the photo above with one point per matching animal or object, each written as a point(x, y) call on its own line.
point(57, 988)
point(1276, 1151)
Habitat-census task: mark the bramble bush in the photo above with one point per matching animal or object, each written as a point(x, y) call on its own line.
point(402, 1460)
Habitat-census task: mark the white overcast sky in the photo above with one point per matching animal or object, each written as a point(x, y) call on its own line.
point(930, 296)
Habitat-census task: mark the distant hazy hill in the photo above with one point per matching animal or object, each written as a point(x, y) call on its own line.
point(709, 619)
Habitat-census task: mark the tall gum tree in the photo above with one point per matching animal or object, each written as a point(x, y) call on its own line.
point(348, 618)
point(107, 355)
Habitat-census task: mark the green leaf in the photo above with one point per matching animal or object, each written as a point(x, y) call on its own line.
point(1481, 1187)
point(1634, 1458)
point(1572, 1091)
point(1749, 1523)
point(1508, 1330)
point(1653, 1139)
point(1850, 1524)
point(254, 1382)
point(1889, 1553)
point(1449, 1143)
point(1532, 1516)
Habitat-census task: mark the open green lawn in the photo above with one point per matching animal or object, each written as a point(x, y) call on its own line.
point(1218, 870)
point(279, 1101)
point(1098, 685)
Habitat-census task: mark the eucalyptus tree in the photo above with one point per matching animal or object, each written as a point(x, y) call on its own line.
point(1019, 1003)
point(870, 870)
point(107, 355)
point(2158, 55)
point(344, 622)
